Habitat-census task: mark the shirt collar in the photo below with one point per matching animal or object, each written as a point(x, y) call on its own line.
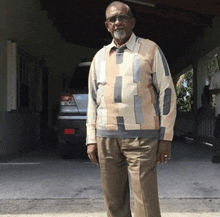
point(129, 44)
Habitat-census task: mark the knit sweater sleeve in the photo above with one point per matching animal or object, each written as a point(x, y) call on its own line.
point(167, 96)
point(92, 105)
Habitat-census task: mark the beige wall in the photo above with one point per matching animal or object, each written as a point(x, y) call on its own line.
point(34, 33)
point(29, 28)
point(19, 129)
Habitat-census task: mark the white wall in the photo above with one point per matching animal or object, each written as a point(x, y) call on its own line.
point(202, 79)
point(203, 51)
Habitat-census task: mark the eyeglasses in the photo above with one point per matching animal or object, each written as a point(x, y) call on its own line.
point(121, 18)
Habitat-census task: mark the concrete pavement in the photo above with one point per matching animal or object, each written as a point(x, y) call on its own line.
point(95, 207)
point(104, 215)
point(42, 184)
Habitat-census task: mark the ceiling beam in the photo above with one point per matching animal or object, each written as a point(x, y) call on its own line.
point(141, 3)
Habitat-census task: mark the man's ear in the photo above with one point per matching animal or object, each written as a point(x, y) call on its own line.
point(106, 25)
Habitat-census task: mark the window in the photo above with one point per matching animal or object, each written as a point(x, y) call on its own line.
point(79, 81)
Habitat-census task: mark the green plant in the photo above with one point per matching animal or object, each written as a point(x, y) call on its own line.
point(184, 91)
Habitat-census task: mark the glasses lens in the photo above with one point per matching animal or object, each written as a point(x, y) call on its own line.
point(121, 18)
point(112, 19)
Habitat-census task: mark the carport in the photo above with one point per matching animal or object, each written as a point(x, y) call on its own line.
point(52, 37)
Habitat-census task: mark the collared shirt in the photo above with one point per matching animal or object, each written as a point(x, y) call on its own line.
point(130, 44)
point(131, 92)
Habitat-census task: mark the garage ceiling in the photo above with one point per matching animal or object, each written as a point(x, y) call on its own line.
point(174, 25)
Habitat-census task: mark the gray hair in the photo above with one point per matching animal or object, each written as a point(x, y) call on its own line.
point(114, 3)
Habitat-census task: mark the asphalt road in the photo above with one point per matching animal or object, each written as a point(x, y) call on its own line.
point(40, 182)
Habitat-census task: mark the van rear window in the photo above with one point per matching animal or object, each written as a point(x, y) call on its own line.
point(79, 80)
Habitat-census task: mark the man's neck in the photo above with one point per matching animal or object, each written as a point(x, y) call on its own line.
point(120, 43)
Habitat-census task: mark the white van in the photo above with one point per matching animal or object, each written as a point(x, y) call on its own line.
point(71, 120)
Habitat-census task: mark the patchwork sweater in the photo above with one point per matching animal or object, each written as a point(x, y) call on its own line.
point(131, 92)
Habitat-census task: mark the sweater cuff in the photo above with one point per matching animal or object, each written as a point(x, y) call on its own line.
point(91, 135)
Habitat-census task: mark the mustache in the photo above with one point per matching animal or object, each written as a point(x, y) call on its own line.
point(119, 29)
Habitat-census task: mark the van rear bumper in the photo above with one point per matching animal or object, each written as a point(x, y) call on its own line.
point(72, 130)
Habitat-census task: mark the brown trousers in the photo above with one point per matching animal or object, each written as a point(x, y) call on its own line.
point(137, 156)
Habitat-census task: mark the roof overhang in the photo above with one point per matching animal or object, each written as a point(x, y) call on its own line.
point(173, 26)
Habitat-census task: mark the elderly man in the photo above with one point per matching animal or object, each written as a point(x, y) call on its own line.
point(131, 114)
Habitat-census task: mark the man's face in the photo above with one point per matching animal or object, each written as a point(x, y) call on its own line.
point(119, 23)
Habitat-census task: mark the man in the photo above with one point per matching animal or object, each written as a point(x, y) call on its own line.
point(214, 88)
point(131, 106)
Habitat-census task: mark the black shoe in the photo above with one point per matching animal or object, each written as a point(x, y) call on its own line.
point(216, 159)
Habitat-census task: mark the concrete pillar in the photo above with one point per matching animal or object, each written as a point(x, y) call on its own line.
point(8, 76)
point(8, 83)
point(195, 99)
point(11, 76)
point(3, 85)
point(55, 87)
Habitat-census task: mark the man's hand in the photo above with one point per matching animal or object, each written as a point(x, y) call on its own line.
point(163, 151)
point(92, 152)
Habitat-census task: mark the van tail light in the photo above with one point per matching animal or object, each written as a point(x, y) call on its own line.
point(67, 100)
point(66, 97)
point(69, 131)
